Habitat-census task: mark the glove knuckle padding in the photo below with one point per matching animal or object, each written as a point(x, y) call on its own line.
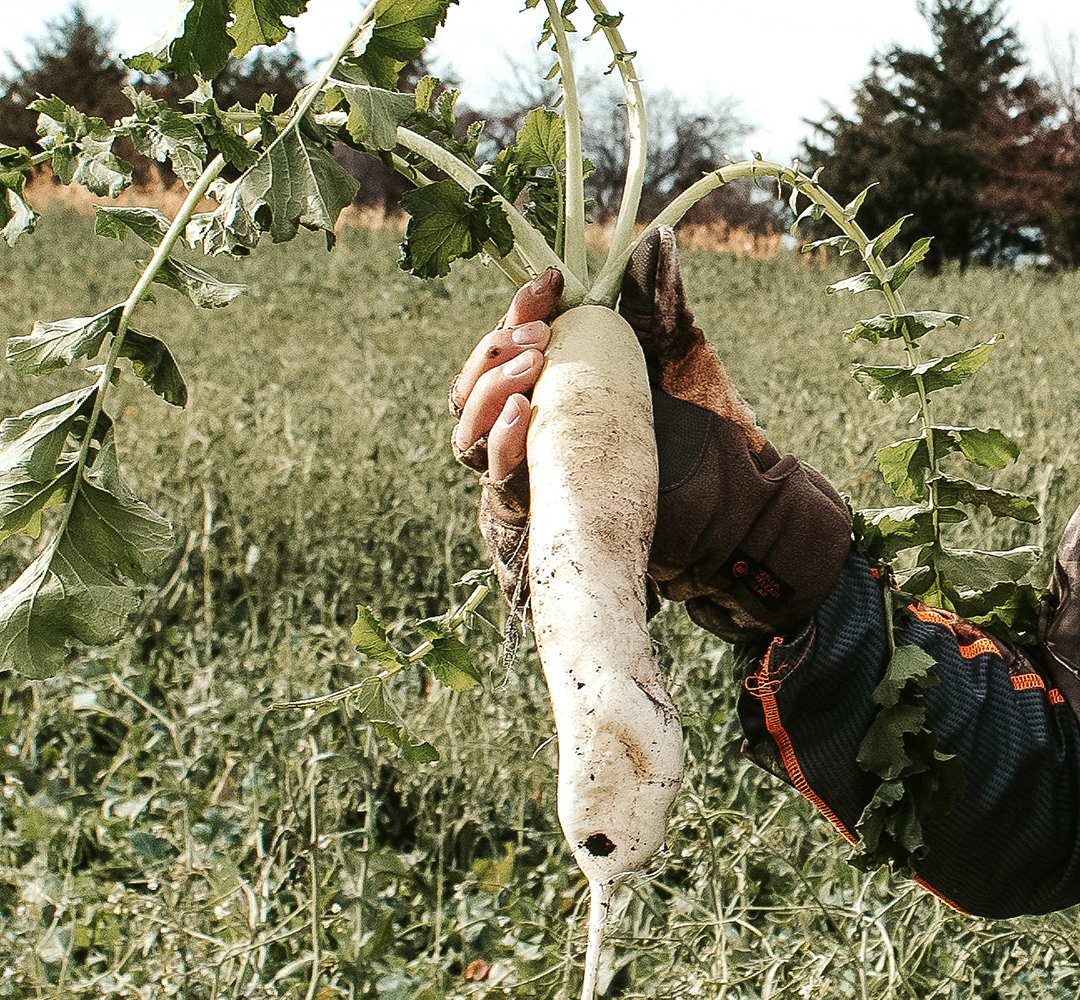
point(751, 541)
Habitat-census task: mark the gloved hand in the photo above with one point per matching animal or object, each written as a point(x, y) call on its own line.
point(751, 542)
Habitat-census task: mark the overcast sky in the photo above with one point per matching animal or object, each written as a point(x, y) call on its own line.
point(779, 61)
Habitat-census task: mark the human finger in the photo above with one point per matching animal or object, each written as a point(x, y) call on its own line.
point(522, 328)
point(506, 441)
point(488, 397)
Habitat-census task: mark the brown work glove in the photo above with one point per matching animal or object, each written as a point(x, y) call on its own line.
point(752, 542)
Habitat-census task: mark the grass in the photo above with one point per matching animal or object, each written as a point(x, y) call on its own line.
point(165, 832)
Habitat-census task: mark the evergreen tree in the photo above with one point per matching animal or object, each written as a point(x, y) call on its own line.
point(934, 131)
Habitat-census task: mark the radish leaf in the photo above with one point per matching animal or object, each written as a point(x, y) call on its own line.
point(81, 148)
point(197, 45)
point(50, 346)
point(907, 326)
point(374, 114)
point(152, 361)
point(79, 590)
point(206, 291)
point(448, 658)
point(148, 224)
point(887, 382)
point(402, 29)
point(258, 22)
point(446, 224)
point(294, 183)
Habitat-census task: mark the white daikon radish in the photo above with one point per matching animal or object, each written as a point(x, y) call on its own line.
point(593, 474)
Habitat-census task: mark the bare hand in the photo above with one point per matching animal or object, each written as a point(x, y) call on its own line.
point(490, 393)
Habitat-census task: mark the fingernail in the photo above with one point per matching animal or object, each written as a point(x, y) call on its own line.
point(517, 366)
point(547, 280)
point(527, 334)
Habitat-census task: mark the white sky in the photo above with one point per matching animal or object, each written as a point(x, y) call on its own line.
point(779, 61)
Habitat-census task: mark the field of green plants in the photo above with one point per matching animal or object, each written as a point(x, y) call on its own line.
point(166, 831)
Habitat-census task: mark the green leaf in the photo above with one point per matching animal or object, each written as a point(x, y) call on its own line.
point(294, 183)
point(206, 291)
point(905, 465)
point(976, 569)
point(374, 115)
point(1007, 609)
point(449, 659)
point(877, 245)
point(50, 346)
point(882, 749)
point(148, 224)
point(885, 532)
point(16, 214)
point(31, 443)
point(258, 22)
point(79, 589)
point(224, 138)
point(887, 382)
point(908, 664)
point(401, 32)
point(989, 448)
point(164, 135)
point(899, 273)
point(81, 148)
point(195, 43)
point(842, 243)
point(371, 701)
point(952, 491)
point(413, 749)
point(865, 282)
point(852, 209)
point(541, 142)
point(369, 636)
point(152, 361)
point(907, 326)
point(446, 224)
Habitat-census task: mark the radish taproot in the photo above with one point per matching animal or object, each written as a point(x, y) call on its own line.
point(594, 479)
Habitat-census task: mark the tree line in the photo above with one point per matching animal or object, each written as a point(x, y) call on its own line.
point(983, 156)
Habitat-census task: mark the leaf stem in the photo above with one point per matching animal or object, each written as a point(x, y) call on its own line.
point(574, 201)
point(474, 600)
point(809, 187)
point(605, 289)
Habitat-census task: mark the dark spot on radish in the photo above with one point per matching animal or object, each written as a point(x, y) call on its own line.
point(493, 353)
point(599, 845)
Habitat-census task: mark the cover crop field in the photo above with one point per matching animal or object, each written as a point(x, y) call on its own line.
point(164, 831)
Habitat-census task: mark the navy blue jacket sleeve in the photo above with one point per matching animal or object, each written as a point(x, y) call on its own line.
point(1012, 843)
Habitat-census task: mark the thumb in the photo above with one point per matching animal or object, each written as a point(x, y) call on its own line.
point(653, 300)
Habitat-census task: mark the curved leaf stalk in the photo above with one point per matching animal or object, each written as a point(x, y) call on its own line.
point(605, 289)
point(116, 342)
point(574, 197)
point(844, 219)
